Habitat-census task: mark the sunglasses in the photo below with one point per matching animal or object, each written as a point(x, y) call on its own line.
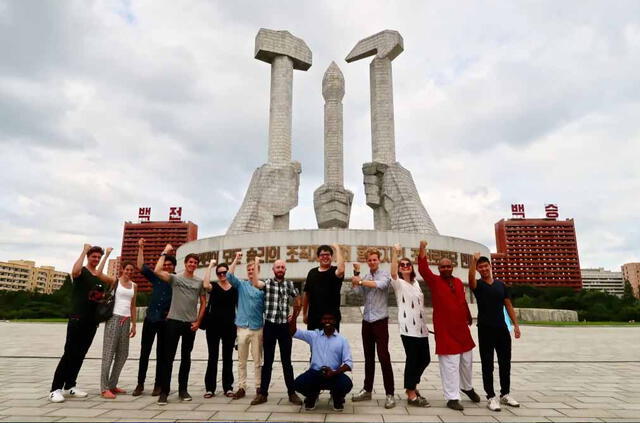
point(221, 273)
point(405, 264)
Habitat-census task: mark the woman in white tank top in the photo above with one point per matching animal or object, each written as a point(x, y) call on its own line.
point(117, 331)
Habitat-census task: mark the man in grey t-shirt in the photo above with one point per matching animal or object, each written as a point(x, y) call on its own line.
point(182, 322)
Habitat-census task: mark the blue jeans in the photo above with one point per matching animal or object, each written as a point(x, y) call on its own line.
point(311, 382)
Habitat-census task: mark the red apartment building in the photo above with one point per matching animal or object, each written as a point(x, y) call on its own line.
point(538, 252)
point(156, 235)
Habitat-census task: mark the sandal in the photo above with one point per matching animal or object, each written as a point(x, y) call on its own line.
point(209, 394)
point(228, 394)
point(418, 401)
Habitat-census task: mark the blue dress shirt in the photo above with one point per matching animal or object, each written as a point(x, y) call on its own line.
point(250, 303)
point(375, 299)
point(160, 296)
point(332, 351)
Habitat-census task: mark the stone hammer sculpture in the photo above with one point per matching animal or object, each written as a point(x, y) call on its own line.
point(273, 190)
point(389, 187)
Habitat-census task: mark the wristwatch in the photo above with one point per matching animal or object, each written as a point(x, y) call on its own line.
point(360, 282)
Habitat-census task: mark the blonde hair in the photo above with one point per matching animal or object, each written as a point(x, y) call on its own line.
point(373, 251)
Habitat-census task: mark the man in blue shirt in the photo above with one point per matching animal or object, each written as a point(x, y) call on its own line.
point(249, 320)
point(155, 320)
point(330, 359)
point(375, 326)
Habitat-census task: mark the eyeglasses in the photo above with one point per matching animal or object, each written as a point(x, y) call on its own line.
point(405, 264)
point(221, 273)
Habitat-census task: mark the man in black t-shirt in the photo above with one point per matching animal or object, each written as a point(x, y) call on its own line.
point(82, 325)
point(492, 296)
point(322, 288)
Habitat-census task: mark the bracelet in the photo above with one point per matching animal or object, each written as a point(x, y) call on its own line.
point(356, 273)
point(163, 254)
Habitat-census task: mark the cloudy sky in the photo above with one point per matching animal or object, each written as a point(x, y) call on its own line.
point(109, 106)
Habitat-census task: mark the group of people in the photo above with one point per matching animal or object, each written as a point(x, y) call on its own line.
point(257, 314)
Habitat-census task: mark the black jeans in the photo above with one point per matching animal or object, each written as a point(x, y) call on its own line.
point(498, 339)
point(174, 331)
point(272, 333)
point(215, 334)
point(418, 358)
point(80, 333)
point(311, 382)
point(149, 331)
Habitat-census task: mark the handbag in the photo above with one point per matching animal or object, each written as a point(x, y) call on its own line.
point(104, 309)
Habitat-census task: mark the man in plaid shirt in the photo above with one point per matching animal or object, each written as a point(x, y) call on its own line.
point(276, 329)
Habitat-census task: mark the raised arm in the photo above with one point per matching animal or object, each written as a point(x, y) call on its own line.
point(512, 315)
point(356, 280)
point(472, 271)
point(161, 274)
point(339, 261)
point(140, 258)
point(255, 279)
point(235, 262)
point(423, 263)
point(105, 278)
point(395, 252)
point(206, 279)
point(77, 266)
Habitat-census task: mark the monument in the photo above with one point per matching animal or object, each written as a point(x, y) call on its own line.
point(261, 226)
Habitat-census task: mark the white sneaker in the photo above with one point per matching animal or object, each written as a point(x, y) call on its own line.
point(508, 400)
point(56, 396)
point(493, 404)
point(75, 392)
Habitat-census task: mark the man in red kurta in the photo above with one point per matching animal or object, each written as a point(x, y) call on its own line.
point(451, 321)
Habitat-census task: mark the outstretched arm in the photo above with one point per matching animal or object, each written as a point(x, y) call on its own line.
point(77, 266)
point(105, 278)
point(339, 261)
point(472, 271)
point(163, 275)
point(206, 279)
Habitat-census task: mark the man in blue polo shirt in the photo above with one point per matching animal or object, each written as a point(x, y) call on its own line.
point(155, 320)
point(249, 320)
point(330, 359)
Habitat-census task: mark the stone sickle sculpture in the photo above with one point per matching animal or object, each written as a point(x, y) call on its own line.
point(332, 202)
point(389, 187)
point(273, 190)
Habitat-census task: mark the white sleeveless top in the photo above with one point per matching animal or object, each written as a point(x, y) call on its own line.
point(122, 306)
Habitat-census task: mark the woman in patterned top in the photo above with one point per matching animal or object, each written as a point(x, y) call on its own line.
point(413, 327)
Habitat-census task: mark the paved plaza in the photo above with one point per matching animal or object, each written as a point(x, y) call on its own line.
point(587, 374)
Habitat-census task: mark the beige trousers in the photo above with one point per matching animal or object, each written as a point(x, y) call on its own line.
point(249, 339)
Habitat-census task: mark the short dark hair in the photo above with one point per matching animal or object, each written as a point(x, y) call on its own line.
point(225, 265)
point(483, 259)
point(191, 256)
point(95, 249)
point(324, 247)
point(171, 259)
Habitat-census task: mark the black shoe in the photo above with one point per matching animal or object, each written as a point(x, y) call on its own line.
point(473, 396)
point(156, 391)
point(338, 405)
point(310, 403)
point(138, 391)
point(162, 399)
point(184, 396)
point(455, 405)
